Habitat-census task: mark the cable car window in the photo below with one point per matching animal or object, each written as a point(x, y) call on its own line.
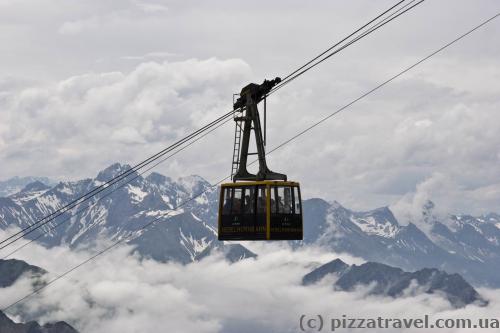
point(273, 200)
point(297, 200)
point(280, 199)
point(284, 199)
point(288, 201)
point(226, 208)
point(261, 200)
point(249, 200)
point(236, 208)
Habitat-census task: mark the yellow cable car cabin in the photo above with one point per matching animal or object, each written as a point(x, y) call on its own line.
point(261, 210)
point(262, 206)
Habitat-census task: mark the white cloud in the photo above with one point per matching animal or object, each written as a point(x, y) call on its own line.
point(380, 149)
point(437, 119)
point(116, 293)
point(151, 55)
point(121, 15)
point(75, 27)
point(430, 135)
point(149, 7)
point(127, 135)
point(438, 188)
point(102, 114)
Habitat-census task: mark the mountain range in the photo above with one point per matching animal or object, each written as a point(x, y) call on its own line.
point(15, 184)
point(392, 281)
point(119, 212)
point(456, 244)
point(463, 244)
point(434, 252)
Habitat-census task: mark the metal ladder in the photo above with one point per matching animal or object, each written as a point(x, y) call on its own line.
point(237, 144)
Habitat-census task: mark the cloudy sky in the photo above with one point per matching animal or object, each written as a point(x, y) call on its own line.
point(87, 83)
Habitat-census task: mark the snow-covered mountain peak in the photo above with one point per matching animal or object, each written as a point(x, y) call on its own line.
point(371, 226)
point(466, 244)
point(380, 222)
point(183, 230)
point(72, 188)
point(158, 179)
point(112, 171)
point(384, 214)
point(35, 186)
point(193, 184)
point(336, 205)
point(30, 191)
point(15, 184)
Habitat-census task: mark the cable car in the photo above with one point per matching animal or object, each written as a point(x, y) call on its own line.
point(262, 206)
point(262, 210)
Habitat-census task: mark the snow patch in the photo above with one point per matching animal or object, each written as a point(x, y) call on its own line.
point(166, 213)
point(193, 245)
point(65, 189)
point(165, 198)
point(190, 182)
point(370, 226)
point(48, 201)
point(202, 200)
point(136, 193)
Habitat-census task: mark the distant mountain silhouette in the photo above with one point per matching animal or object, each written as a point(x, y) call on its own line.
point(12, 269)
point(391, 281)
point(9, 326)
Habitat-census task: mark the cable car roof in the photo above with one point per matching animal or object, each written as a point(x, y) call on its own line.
point(261, 182)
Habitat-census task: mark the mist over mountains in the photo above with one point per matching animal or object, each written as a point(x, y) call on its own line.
point(440, 255)
point(10, 272)
point(9, 326)
point(460, 244)
point(386, 280)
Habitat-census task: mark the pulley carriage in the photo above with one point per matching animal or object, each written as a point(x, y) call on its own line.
point(264, 206)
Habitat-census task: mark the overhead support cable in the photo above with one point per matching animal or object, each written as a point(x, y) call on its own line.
point(342, 40)
point(315, 62)
point(55, 279)
point(52, 227)
point(58, 212)
point(85, 197)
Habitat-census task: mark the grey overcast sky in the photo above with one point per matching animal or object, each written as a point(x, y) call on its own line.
point(87, 83)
